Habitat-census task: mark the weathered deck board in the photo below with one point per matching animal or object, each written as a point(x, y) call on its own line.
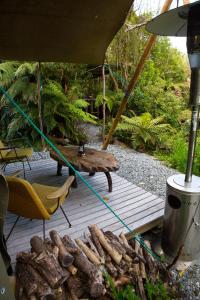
point(134, 205)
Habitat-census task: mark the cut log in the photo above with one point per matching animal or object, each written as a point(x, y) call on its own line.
point(112, 270)
point(65, 258)
point(37, 244)
point(55, 251)
point(142, 265)
point(124, 240)
point(120, 247)
point(83, 264)
point(151, 264)
point(97, 243)
point(88, 252)
point(80, 261)
point(47, 266)
point(141, 288)
point(110, 249)
point(73, 270)
point(76, 286)
point(91, 244)
point(27, 281)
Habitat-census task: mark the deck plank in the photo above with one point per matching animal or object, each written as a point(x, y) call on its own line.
point(134, 205)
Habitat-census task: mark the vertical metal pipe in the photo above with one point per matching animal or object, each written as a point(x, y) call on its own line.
point(194, 102)
point(192, 143)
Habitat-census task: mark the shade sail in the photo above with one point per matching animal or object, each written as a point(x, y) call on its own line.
point(173, 22)
point(59, 30)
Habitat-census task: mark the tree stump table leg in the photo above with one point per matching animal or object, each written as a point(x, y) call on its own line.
point(59, 169)
point(109, 178)
point(91, 173)
point(72, 173)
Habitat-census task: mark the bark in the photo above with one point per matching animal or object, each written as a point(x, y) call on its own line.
point(88, 252)
point(47, 265)
point(97, 243)
point(109, 248)
point(65, 258)
point(83, 264)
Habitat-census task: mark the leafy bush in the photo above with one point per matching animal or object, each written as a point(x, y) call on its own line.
point(144, 132)
point(61, 106)
point(156, 291)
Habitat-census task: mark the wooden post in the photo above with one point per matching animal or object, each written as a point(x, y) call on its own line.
point(131, 86)
point(104, 102)
point(40, 105)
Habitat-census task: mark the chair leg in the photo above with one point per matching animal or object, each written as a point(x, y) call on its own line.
point(4, 167)
point(12, 228)
point(28, 163)
point(43, 229)
point(70, 225)
point(24, 169)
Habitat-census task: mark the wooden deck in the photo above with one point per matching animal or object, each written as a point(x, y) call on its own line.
point(134, 205)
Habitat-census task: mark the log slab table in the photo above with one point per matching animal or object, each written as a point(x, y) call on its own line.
point(93, 161)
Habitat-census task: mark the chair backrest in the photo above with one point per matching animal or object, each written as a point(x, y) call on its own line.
point(3, 152)
point(24, 201)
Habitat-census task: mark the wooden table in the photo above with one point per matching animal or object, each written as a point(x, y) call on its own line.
point(93, 161)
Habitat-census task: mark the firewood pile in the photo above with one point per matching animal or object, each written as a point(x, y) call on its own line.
point(61, 268)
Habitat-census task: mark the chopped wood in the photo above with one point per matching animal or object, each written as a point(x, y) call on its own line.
point(124, 240)
point(27, 280)
point(76, 286)
point(97, 243)
point(61, 268)
point(91, 244)
point(110, 249)
point(65, 258)
point(82, 263)
point(142, 265)
point(141, 288)
point(37, 244)
point(151, 265)
point(88, 252)
point(47, 266)
point(73, 270)
point(112, 270)
point(122, 280)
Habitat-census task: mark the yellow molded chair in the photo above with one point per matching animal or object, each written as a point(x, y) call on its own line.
point(11, 154)
point(35, 201)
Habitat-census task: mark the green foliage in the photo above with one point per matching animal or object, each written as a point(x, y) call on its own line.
point(62, 108)
point(112, 100)
point(156, 291)
point(145, 132)
point(124, 293)
point(177, 156)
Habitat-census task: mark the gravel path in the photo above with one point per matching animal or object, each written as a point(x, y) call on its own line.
point(141, 169)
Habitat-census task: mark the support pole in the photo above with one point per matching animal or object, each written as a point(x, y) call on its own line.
point(40, 104)
point(104, 101)
point(131, 86)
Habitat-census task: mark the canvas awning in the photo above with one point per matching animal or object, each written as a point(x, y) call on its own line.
point(59, 30)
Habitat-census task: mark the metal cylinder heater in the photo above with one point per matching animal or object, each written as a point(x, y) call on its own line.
point(181, 227)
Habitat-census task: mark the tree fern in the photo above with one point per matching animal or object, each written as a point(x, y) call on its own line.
point(145, 132)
